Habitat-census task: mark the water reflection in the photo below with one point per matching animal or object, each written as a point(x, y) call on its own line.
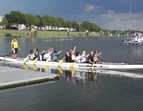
point(88, 75)
point(55, 39)
point(78, 76)
point(70, 75)
point(41, 69)
point(134, 54)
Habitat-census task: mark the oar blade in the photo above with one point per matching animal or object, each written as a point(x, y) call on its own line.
point(92, 68)
point(34, 62)
point(60, 62)
point(72, 64)
point(25, 67)
point(46, 68)
point(35, 68)
point(60, 70)
point(46, 63)
point(25, 60)
point(72, 70)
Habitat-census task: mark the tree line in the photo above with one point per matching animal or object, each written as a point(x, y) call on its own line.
point(17, 17)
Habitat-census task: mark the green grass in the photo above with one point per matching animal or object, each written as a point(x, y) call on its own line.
point(27, 34)
point(15, 33)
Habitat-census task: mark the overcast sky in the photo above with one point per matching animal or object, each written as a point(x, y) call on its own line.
point(108, 14)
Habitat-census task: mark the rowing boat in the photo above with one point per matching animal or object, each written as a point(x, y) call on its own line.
point(104, 65)
point(80, 71)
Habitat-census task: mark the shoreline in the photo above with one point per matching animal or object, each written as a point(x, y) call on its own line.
point(5, 33)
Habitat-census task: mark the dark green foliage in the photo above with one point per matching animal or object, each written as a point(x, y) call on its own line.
point(16, 17)
point(89, 26)
point(31, 20)
point(8, 35)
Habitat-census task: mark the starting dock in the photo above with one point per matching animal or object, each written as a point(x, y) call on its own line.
point(13, 77)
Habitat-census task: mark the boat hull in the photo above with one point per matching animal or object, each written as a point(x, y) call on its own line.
point(104, 65)
point(132, 43)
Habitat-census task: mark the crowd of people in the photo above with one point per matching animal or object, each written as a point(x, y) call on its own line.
point(84, 57)
point(70, 56)
point(43, 55)
point(52, 55)
point(135, 38)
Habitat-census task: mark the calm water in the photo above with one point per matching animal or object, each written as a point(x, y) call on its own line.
point(82, 91)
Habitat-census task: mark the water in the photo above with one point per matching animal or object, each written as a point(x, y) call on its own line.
point(83, 91)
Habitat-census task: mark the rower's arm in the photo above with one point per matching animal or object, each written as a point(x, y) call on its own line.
point(59, 52)
point(74, 48)
point(90, 61)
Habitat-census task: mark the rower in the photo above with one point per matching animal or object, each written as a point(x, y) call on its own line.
point(36, 53)
point(84, 57)
point(68, 57)
point(91, 57)
point(47, 55)
point(31, 55)
point(96, 55)
point(55, 55)
point(73, 51)
point(78, 57)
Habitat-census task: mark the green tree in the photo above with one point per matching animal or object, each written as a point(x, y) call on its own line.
point(40, 20)
point(53, 21)
point(15, 17)
point(32, 20)
point(46, 20)
point(69, 24)
point(62, 22)
point(75, 25)
point(89, 26)
point(4, 22)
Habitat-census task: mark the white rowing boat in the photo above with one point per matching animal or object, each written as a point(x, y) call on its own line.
point(104, 65)
point(80, 72)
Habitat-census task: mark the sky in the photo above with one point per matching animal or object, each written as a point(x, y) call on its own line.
point(108, 14)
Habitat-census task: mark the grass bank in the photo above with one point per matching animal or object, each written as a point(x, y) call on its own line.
point(27, 34)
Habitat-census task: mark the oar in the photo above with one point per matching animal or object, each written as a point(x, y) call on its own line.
point(10, 53)
point(35, 60)
point(25, 60)
point(92, 67)
point(61, 61)
point(72, 64)
point(46, 63)
point(60, 70)
point(7, 54)
point(95, 76)
point(72, 70)
point(46, 68)
point(4, 58)
point(35, 68)
point(25, 67)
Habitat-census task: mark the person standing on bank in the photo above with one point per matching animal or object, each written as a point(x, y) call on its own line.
point(14, 47)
